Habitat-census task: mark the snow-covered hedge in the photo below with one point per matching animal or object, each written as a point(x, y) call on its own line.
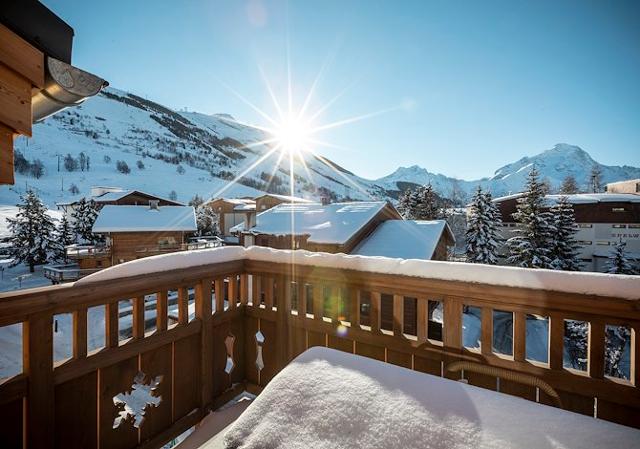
point(571, 282)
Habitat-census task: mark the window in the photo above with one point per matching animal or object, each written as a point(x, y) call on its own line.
point(634, 226)
point(585, 225)
point(585, 242)
point(603, 242)
point(619, 226)
point(617, 209)
point(638, 187)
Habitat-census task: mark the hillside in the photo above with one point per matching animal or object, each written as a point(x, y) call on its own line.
point(191, 153)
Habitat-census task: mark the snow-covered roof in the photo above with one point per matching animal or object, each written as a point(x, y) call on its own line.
point(406, 239)
point(144, 219)
point(329, 398)
point(115, 196)
point(288, 198)
point(582, 198)
point(331, 223)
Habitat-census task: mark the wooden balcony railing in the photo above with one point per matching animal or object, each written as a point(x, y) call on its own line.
point(254, 314)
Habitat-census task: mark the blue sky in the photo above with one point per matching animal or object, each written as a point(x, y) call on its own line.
point(475, 85)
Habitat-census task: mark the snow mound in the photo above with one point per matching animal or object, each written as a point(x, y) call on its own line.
point(599, 284)
point(330, 399)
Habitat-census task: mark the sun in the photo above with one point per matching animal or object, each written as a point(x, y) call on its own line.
point(292, 135)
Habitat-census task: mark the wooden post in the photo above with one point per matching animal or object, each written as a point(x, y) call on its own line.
point(422, 319)
point(398, 315)
point(268, 293)
point(161, 311)
point(318, 302)
point(556, 341)
point(302, 298)
point(244, 289)
point(486, 338)
point(256, 291)
point(283, 303)
point(203, 313)
point(354, 307)
point(519, 336)
point(138, 317)
point(596, 349)
point(219, 293)
point(374, 312)
point(111, 324)
point(452, 332)
point(233, 291)
point(183, 305)
point(80, 333)
point(635, 356)
point(38, 366)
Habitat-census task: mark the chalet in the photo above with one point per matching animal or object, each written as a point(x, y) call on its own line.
point(628, 186)
point(269, 200)
point(602, 218)
point(117, 196)
point(133, 232)
point(331, 228)
point(231, 212)
point(408, 239)
point(36, 75)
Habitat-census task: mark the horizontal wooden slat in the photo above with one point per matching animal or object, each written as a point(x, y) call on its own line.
point(15, 101)
point(22, 57)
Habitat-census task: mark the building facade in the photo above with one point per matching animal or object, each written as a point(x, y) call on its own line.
point(603, 219)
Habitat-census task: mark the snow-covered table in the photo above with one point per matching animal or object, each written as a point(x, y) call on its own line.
point(330, 399)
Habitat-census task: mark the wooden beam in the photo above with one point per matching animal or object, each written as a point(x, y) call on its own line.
point(138, 317)
point(161, 310)
point(15, 101)
point(6, 155)
point(80, 333)
point(596, 349)
point(203, 313)
point(21, 57)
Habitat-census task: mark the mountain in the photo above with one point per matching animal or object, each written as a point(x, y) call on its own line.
point(187, 153)
point(554, 165)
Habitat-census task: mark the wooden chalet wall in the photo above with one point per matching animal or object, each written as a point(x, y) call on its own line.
point(21, 70)
point(587, 213)
point(140, 199)
point(133, 245)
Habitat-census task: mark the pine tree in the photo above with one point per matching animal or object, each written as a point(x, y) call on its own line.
point(427, 204)
point(619, 260)
point(32, 232)
point(530, 247)
point(84, 217)
point(207, 221)
point(482, 229)
point(564, 248)
point(65, 236)
point(407, 204)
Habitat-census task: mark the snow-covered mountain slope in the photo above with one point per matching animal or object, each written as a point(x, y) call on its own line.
point(189, 153)
point(554, 164)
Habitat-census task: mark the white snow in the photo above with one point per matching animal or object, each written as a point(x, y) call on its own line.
point(333, 223)
point(405, 239)
point(7, 211)
point(330, 399)
point(287, 198)
point(582, 198)
point(143, 218)
point(599, 284)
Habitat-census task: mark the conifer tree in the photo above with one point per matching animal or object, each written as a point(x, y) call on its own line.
point(427, 207)
point(569, 185)
point(32, 232)
point(482, 229)
point(84, 217)
point(530, 247)
point(65, 236)
point(207, 221)
point(407, 204)
point(619, 260)
point(564, 248)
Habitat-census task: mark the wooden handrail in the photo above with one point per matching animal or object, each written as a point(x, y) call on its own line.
point(268, 312)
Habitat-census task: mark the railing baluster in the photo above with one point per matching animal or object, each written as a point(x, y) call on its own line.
point(244, 289)
point(354, 307)
point(519, 336)
point(398, 315)
point(80, 333)
point(486, 337)
point(374, 314)
point(302, 298)
point(318, 301)
point(161, 310)
point(422, 321)
point(556, 341)
point(111, 324)
point(138, 317)
point(233, 291)
point(219, 293)
point(635, 356)
point(268, 293)
point(596, 349)
point(256, 291)
point(183, 305)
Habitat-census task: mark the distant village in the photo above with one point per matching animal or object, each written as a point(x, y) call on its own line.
point(566, 231)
